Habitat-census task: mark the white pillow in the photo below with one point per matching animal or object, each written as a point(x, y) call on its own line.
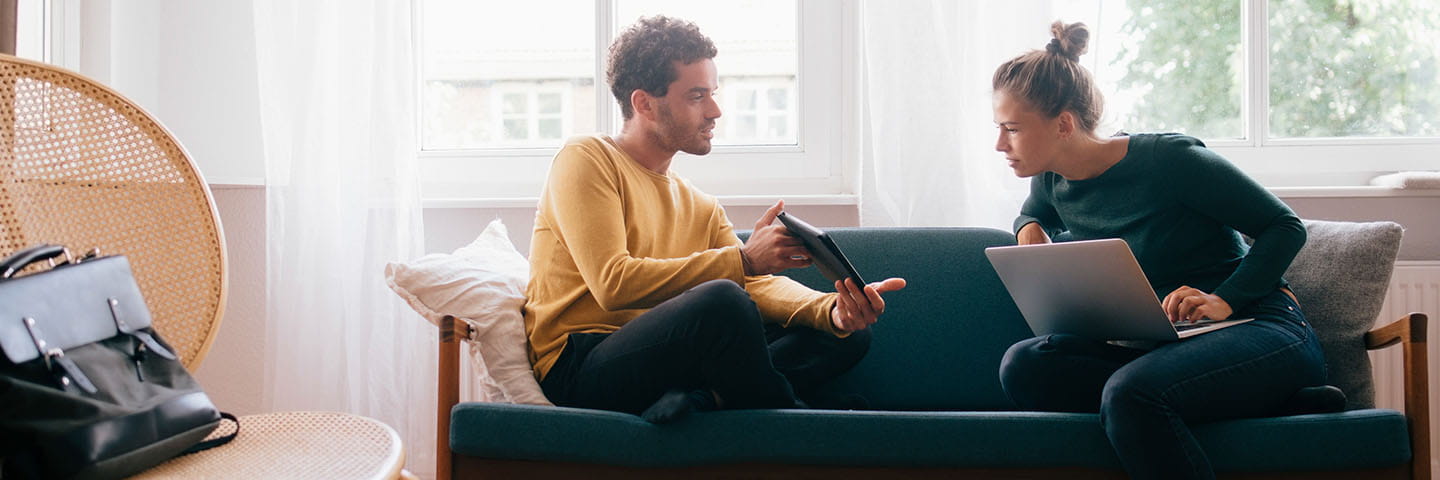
point(482, 284)
point(1409, 180)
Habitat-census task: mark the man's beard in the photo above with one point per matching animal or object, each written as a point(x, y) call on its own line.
point(674, 136)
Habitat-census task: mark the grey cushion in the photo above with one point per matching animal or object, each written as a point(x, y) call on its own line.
point(1340, 278)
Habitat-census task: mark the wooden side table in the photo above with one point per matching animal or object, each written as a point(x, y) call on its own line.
point(296, 445)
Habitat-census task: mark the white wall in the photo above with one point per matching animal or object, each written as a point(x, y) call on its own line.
point(1420, 215)
point(233, 373)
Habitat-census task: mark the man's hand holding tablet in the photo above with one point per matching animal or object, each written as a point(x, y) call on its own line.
point(772, 248)
point(857, 304)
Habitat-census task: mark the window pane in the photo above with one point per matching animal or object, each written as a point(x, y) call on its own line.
point(517, 129)
point(777, 98)
point(514, 104)
point(470, 48)
point(776, 128)
point(746, 99)
point(548, 103)
point(1354, 68)
point(1168, 65)
point(550, 128)
point(755, 39)
point(744, 127)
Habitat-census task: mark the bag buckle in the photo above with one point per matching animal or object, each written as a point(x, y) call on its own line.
point(69, 371)
point(40, 344)
point(147, 341)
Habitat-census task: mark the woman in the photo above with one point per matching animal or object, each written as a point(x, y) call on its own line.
point(1182, 208)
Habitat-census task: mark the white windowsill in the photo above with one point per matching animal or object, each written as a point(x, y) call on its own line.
point(1351, 192)
point(235, 183)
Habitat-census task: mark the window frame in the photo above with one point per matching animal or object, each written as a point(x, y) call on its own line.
point(60, 32)
point(818, 165)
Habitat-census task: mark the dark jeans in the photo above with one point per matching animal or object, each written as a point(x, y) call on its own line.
point(709, 338)
point(1147, 399)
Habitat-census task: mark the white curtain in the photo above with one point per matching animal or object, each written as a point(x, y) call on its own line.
point(337, 106)
point(927, 132)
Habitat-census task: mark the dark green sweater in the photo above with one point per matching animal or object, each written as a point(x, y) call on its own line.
point(1182, 208)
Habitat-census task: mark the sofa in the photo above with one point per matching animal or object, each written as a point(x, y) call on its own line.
point(937, 406)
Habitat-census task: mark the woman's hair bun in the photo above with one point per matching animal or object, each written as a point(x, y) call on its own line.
point(1070, 41)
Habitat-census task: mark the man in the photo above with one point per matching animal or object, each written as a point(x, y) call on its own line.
point(642, 299)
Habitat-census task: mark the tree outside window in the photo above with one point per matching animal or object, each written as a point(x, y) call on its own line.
point(1337, 68)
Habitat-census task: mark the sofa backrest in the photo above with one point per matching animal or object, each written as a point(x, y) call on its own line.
point(938, 345)
point(1340, 278)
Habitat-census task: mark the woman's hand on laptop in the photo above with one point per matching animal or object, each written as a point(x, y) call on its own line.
point(857, 308)
point(1188, 304)
point(1031, 234)
point(772, 248)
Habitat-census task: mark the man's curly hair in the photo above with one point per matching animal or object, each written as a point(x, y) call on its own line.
point(643, 57)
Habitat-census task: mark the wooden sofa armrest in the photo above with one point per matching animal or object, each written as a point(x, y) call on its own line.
point(452, 332)
point(1410, 332)
point(1410, 327)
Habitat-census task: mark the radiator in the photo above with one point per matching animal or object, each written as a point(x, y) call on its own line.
point(1415, 287)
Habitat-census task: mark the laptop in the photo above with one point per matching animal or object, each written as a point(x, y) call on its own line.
point(1092, 288)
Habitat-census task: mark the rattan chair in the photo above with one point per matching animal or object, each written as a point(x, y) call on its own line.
point(82, 166)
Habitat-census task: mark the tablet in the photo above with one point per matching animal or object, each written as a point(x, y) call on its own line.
point(825, 253)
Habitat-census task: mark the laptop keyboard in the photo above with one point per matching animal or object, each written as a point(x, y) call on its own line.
point(1183, 326)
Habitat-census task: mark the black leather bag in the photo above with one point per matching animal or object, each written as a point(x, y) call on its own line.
point(87, 388)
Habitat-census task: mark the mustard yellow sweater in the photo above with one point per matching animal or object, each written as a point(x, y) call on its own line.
point(614, 239)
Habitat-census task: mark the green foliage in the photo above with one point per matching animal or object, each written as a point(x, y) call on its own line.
point(1188, 64)
point(1337, 67)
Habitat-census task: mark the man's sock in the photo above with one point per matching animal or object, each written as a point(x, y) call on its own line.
point(677, 404)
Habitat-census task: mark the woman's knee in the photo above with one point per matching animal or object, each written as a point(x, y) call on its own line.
point(1027, 358)
point(1024, 370)
point(1131, 392)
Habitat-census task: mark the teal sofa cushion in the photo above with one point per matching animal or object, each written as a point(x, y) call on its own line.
point(1351, 440)
point(939, 344)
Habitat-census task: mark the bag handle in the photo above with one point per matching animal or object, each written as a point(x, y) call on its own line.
point(21, 259)
point(218, 441)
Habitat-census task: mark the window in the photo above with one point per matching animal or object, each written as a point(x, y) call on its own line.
point(759, 56)
point(530, 114)
point(506, 76)
point(1354, 68)
point(503, 86)
point(1297, 92)
point(760, 110)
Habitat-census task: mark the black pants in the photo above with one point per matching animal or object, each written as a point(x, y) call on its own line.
point(709, 338)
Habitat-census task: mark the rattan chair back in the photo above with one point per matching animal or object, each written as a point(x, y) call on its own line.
point(82, 166)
